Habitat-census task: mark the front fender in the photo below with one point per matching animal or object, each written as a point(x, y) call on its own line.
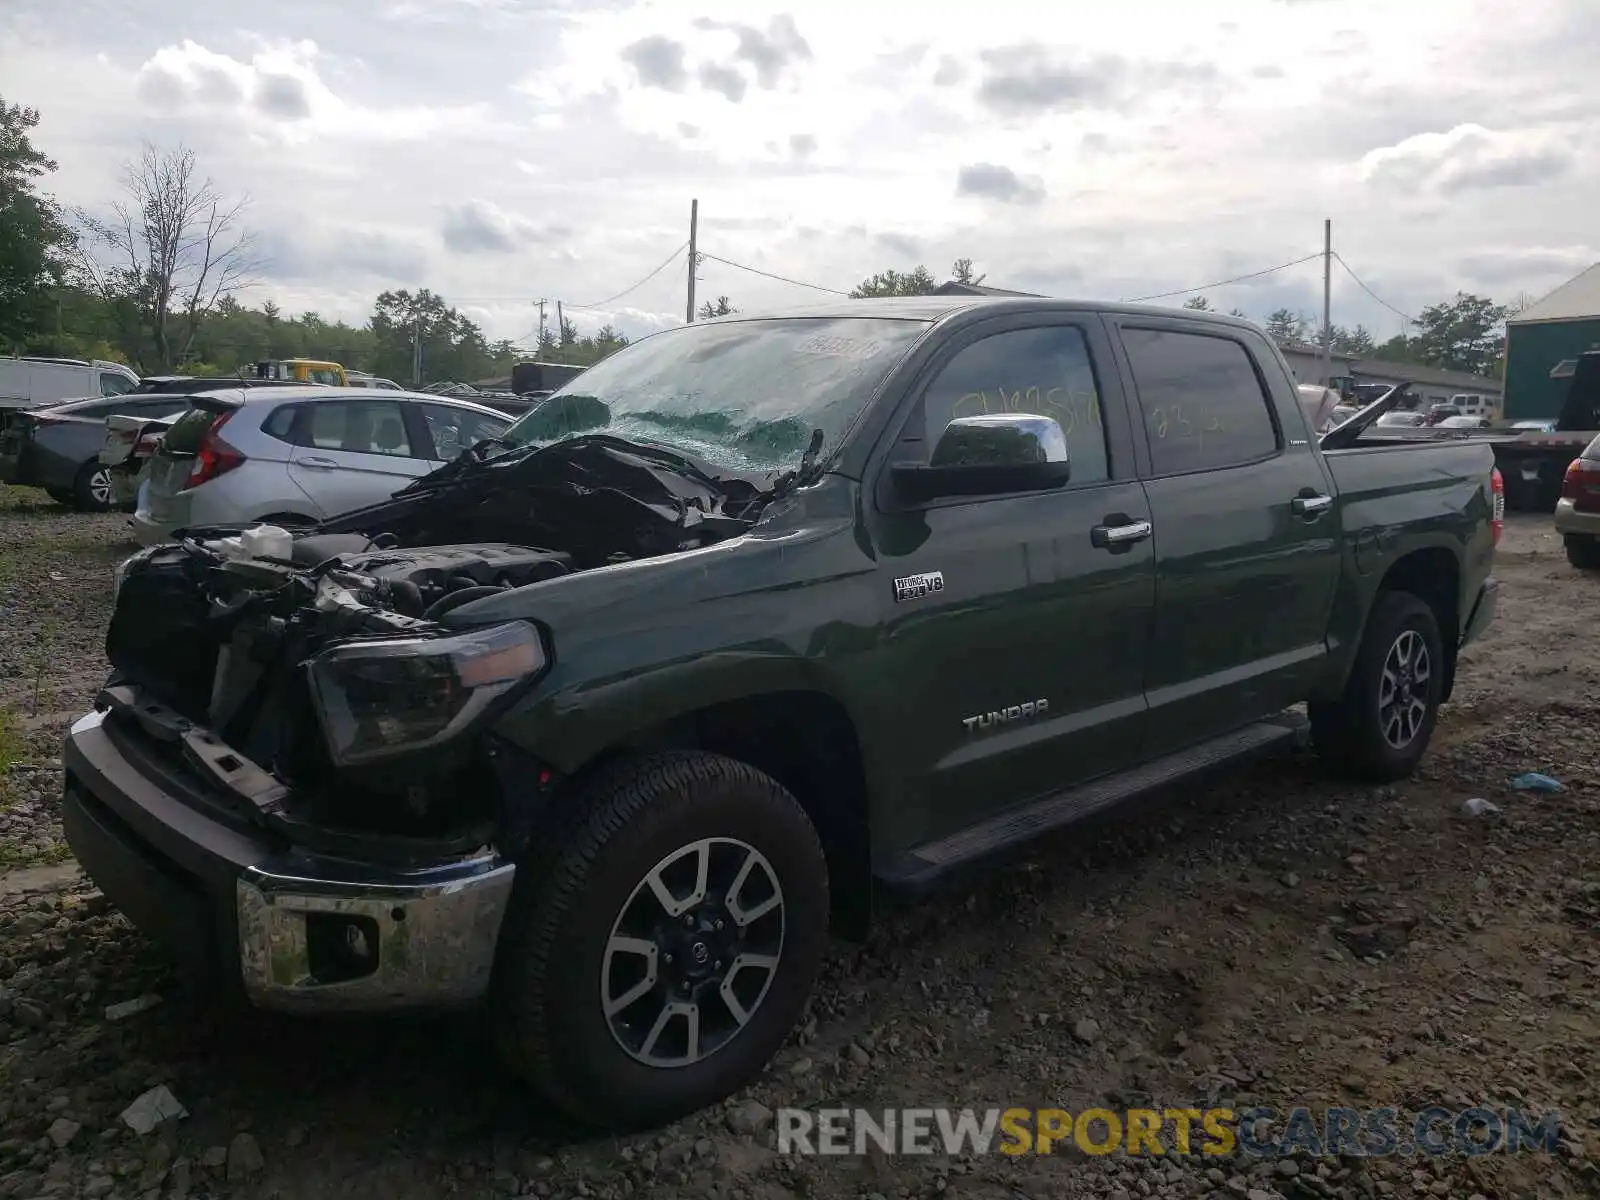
point(567, 727)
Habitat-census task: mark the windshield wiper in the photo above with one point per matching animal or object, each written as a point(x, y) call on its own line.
point(806, 472)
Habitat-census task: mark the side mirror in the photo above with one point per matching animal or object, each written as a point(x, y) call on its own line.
point(989, 456)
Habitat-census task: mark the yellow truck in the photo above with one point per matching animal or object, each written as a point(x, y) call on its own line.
point(299, 370)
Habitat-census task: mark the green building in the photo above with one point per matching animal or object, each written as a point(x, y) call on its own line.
point(1542, 343)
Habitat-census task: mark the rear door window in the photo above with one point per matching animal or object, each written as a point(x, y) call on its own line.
point(1204, 406)
point(115, 385)
point(356, 427)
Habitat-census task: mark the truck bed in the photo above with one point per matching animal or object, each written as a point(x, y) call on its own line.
point(1438, 477)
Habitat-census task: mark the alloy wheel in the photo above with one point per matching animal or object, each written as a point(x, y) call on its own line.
point(693, 952)
point(1403, 689)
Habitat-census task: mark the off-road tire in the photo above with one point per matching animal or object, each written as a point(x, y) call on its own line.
point(85, 485)
point(545, 998)
point(1583, 551)
point(1349, 732)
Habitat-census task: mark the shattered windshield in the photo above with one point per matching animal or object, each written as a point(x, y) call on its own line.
point(746, 396)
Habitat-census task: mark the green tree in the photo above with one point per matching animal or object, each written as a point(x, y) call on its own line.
point(452, 346)
point(1198, 304)
point(1286, 325)
point(722, 308)
point(961, 270)
point(1357, 341)
point(34, 240)
point(1463, 334)
point(917, 282)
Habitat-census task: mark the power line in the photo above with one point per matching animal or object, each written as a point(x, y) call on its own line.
point(816, 287)
point(1407, 317)
point(1224, 282)
point(635, 287)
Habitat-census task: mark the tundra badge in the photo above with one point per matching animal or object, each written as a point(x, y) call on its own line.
point(1004, 716)
point(915, 587)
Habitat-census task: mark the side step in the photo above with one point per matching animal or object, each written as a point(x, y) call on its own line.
point(923, 865)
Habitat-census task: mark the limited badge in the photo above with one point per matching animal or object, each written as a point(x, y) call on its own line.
point(915, 587)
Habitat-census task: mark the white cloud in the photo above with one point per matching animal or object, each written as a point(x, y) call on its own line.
point(500, 151)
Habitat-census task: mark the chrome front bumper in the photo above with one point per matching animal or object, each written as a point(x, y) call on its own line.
point(296, 932)
point(432, 943)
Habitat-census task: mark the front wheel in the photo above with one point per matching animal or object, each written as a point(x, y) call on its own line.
point(655, 957)
point(1380, 727)
point(1583, 551)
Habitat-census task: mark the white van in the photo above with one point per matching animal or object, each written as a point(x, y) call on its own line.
point(32, 382)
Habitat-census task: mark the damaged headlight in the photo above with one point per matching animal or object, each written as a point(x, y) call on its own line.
point(120, 573)
point(382, 698)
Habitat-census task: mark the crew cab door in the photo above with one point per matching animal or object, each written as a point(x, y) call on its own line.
point(1246, 529)
point(351, 453)
point(1004, 604)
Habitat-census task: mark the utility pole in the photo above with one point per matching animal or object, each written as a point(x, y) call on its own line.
point(541, 327)
point(561, 325)
point(694, 252)
point(1327, 303)
point(416, 353)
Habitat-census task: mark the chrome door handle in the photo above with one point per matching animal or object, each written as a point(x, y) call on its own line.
point(1114, 537)
point(326, 464)
point(1310, 506)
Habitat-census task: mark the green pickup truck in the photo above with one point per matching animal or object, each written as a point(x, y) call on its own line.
point(604, 725)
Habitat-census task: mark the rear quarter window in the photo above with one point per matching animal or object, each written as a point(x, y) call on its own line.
point(280, 423)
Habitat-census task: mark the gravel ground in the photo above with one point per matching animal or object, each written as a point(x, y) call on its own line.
point(1275, 939)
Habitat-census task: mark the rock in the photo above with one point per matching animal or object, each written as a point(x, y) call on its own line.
point(151, 1108)
point(29, 1014)
point(128, 1008)
point(244, 1158)
point(752, 1118)
point(859, 1056)
point(1287, 1168)
point(98, 1185)
point(62, 1131)
point(1289, 879)
point(214, 1156)
point(801, 1067)
point(295, 1136)
point(179, 1179)
point(1086, 1030)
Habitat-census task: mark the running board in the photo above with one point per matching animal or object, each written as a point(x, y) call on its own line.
point(923, 865)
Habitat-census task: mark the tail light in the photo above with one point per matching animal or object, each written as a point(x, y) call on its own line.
point(214, 457)
point(1497, 492)
point(1581, 484)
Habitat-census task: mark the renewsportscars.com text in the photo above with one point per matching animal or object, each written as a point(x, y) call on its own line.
point(1214, 1132)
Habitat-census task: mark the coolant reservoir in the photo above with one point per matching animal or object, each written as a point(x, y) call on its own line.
point(267, 541)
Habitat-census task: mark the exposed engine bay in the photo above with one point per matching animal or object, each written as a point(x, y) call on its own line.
point(317, 688)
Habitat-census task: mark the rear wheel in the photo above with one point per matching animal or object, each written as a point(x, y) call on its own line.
point(655, 957)
point(1379, 728)
point(92, 490)
point(1583, 551)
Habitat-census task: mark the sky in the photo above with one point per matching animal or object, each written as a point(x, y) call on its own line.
point(503, 151)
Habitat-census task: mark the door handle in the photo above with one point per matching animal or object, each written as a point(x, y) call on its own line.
point(1121, 535)
point(1310, 504)
point(325, 464)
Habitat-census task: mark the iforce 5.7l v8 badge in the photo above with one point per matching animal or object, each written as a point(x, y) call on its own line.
point(915, 587)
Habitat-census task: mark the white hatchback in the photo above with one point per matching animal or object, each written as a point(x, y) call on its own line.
point(294, 456)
